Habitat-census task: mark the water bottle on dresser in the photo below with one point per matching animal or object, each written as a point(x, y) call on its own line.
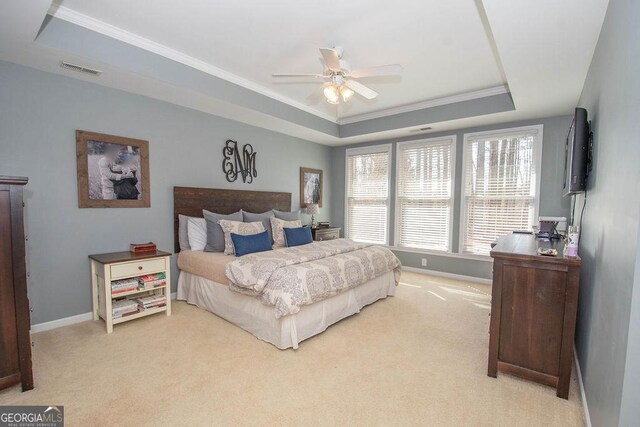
point(572, 243)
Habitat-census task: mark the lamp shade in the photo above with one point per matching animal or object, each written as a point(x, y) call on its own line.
point(332, 94)
point(346, 93)
point(312, 209)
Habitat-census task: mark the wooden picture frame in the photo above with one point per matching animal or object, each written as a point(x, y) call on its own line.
point(311, 186)
point(113, 171)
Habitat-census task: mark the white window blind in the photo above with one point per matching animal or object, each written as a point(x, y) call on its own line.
point(501, 175)
point(367, 190)
point(425, 194)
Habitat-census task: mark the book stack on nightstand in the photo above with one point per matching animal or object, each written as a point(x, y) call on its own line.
point(127, 286)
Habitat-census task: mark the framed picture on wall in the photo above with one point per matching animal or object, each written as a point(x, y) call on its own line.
point(310, 187)
point(113, 171)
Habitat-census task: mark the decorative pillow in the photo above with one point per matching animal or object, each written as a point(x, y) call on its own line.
point(287, 216)
point(264, 217)
point(196, 233)
point(183, 237)
point(277, 227)
point(251, 243)
point(237, 227)
point(215, 235)
point(298, 236)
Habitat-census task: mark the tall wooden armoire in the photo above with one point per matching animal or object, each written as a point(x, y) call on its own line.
point(15, 339)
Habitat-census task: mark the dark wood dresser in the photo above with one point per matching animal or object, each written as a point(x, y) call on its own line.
point(534, 300)
point(325, 233)
point(15, 339)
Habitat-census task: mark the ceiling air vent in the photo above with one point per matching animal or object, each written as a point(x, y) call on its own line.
point(80, 68)
point(424, 129)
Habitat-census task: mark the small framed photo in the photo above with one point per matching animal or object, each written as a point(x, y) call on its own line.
point(113, 171)
point(310, 187)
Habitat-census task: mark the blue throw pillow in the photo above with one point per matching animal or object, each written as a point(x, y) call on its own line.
point(252, 243)
point(298, 236)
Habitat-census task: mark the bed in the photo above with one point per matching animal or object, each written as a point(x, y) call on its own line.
point(262, 307)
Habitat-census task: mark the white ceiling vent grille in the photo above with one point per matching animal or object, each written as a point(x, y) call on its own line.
point(421, 129)
point(79, 68)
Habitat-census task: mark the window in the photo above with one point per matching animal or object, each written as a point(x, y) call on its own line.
point(501, 173)
point(424, 196)
point(367, 194)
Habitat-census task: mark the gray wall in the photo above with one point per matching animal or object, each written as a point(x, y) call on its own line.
point(551, 201)
point(629, 410)
point(39, 113)
point(607, 337)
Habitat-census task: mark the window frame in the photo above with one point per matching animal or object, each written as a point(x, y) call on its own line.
point(396, 228)
point(465, 153)
point(370, 149)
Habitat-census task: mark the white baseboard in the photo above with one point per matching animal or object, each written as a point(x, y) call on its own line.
point(54, 324)
point(447, 275)
point(583, 395)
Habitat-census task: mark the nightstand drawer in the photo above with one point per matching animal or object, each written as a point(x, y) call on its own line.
point(327, 234)
point(137, 268)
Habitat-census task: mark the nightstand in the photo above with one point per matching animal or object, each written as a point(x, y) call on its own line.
point(113, 278)
point(329, 233)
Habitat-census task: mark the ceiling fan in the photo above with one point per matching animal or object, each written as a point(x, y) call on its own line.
point(340, 76)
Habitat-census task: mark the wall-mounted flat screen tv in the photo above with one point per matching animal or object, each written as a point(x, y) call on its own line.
point(576, 154)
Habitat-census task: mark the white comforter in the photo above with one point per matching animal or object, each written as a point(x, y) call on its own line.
point(291, 278)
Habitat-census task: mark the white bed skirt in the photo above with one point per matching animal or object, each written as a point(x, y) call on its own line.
point(259, 319)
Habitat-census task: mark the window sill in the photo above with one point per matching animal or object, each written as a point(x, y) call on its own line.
point(485, 258)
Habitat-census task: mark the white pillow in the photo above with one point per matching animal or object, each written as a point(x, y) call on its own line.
point(238, 227)
point(277, 228)
point(197, 233)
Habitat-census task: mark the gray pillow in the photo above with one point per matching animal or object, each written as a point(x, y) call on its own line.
point(265, 218)
point(215, 235)
point(287, 216)
point(183, 238)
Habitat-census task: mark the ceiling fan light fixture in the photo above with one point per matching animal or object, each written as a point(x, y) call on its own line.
point(332, 94)
point(346, 93)
point(342, 81)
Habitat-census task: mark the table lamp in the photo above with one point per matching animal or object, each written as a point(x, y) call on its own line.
point(313, 209)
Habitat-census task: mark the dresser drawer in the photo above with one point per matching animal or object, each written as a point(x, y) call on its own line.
point(327, 234)
point(137, 268)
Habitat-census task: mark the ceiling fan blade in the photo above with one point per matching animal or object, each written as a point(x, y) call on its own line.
point(361, 89)
point(331, 58)
point(317, 76)
point(382, 70)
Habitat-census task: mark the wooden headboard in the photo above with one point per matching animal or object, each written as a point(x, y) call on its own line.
point(191, 201)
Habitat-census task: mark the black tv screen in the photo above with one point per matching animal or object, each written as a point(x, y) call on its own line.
point(576, 154)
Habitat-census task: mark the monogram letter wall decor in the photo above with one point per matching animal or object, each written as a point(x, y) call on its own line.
point(238, 162)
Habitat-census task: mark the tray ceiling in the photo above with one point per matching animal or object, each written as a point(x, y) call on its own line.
point(441, 44)
point(466, 62)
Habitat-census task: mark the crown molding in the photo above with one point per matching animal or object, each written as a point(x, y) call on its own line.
point(101, 27)
point(467, 96)
point(80, 19)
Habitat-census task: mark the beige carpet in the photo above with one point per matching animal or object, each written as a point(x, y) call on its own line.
point(416, 359)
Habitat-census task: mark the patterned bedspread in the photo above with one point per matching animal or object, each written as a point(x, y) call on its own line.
point(291, 278)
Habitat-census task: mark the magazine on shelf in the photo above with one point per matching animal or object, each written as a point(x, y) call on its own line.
point(152, 301)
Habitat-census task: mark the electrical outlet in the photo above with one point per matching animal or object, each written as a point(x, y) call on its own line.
point(424, 262)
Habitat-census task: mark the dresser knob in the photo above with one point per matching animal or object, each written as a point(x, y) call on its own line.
point(139, 267)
